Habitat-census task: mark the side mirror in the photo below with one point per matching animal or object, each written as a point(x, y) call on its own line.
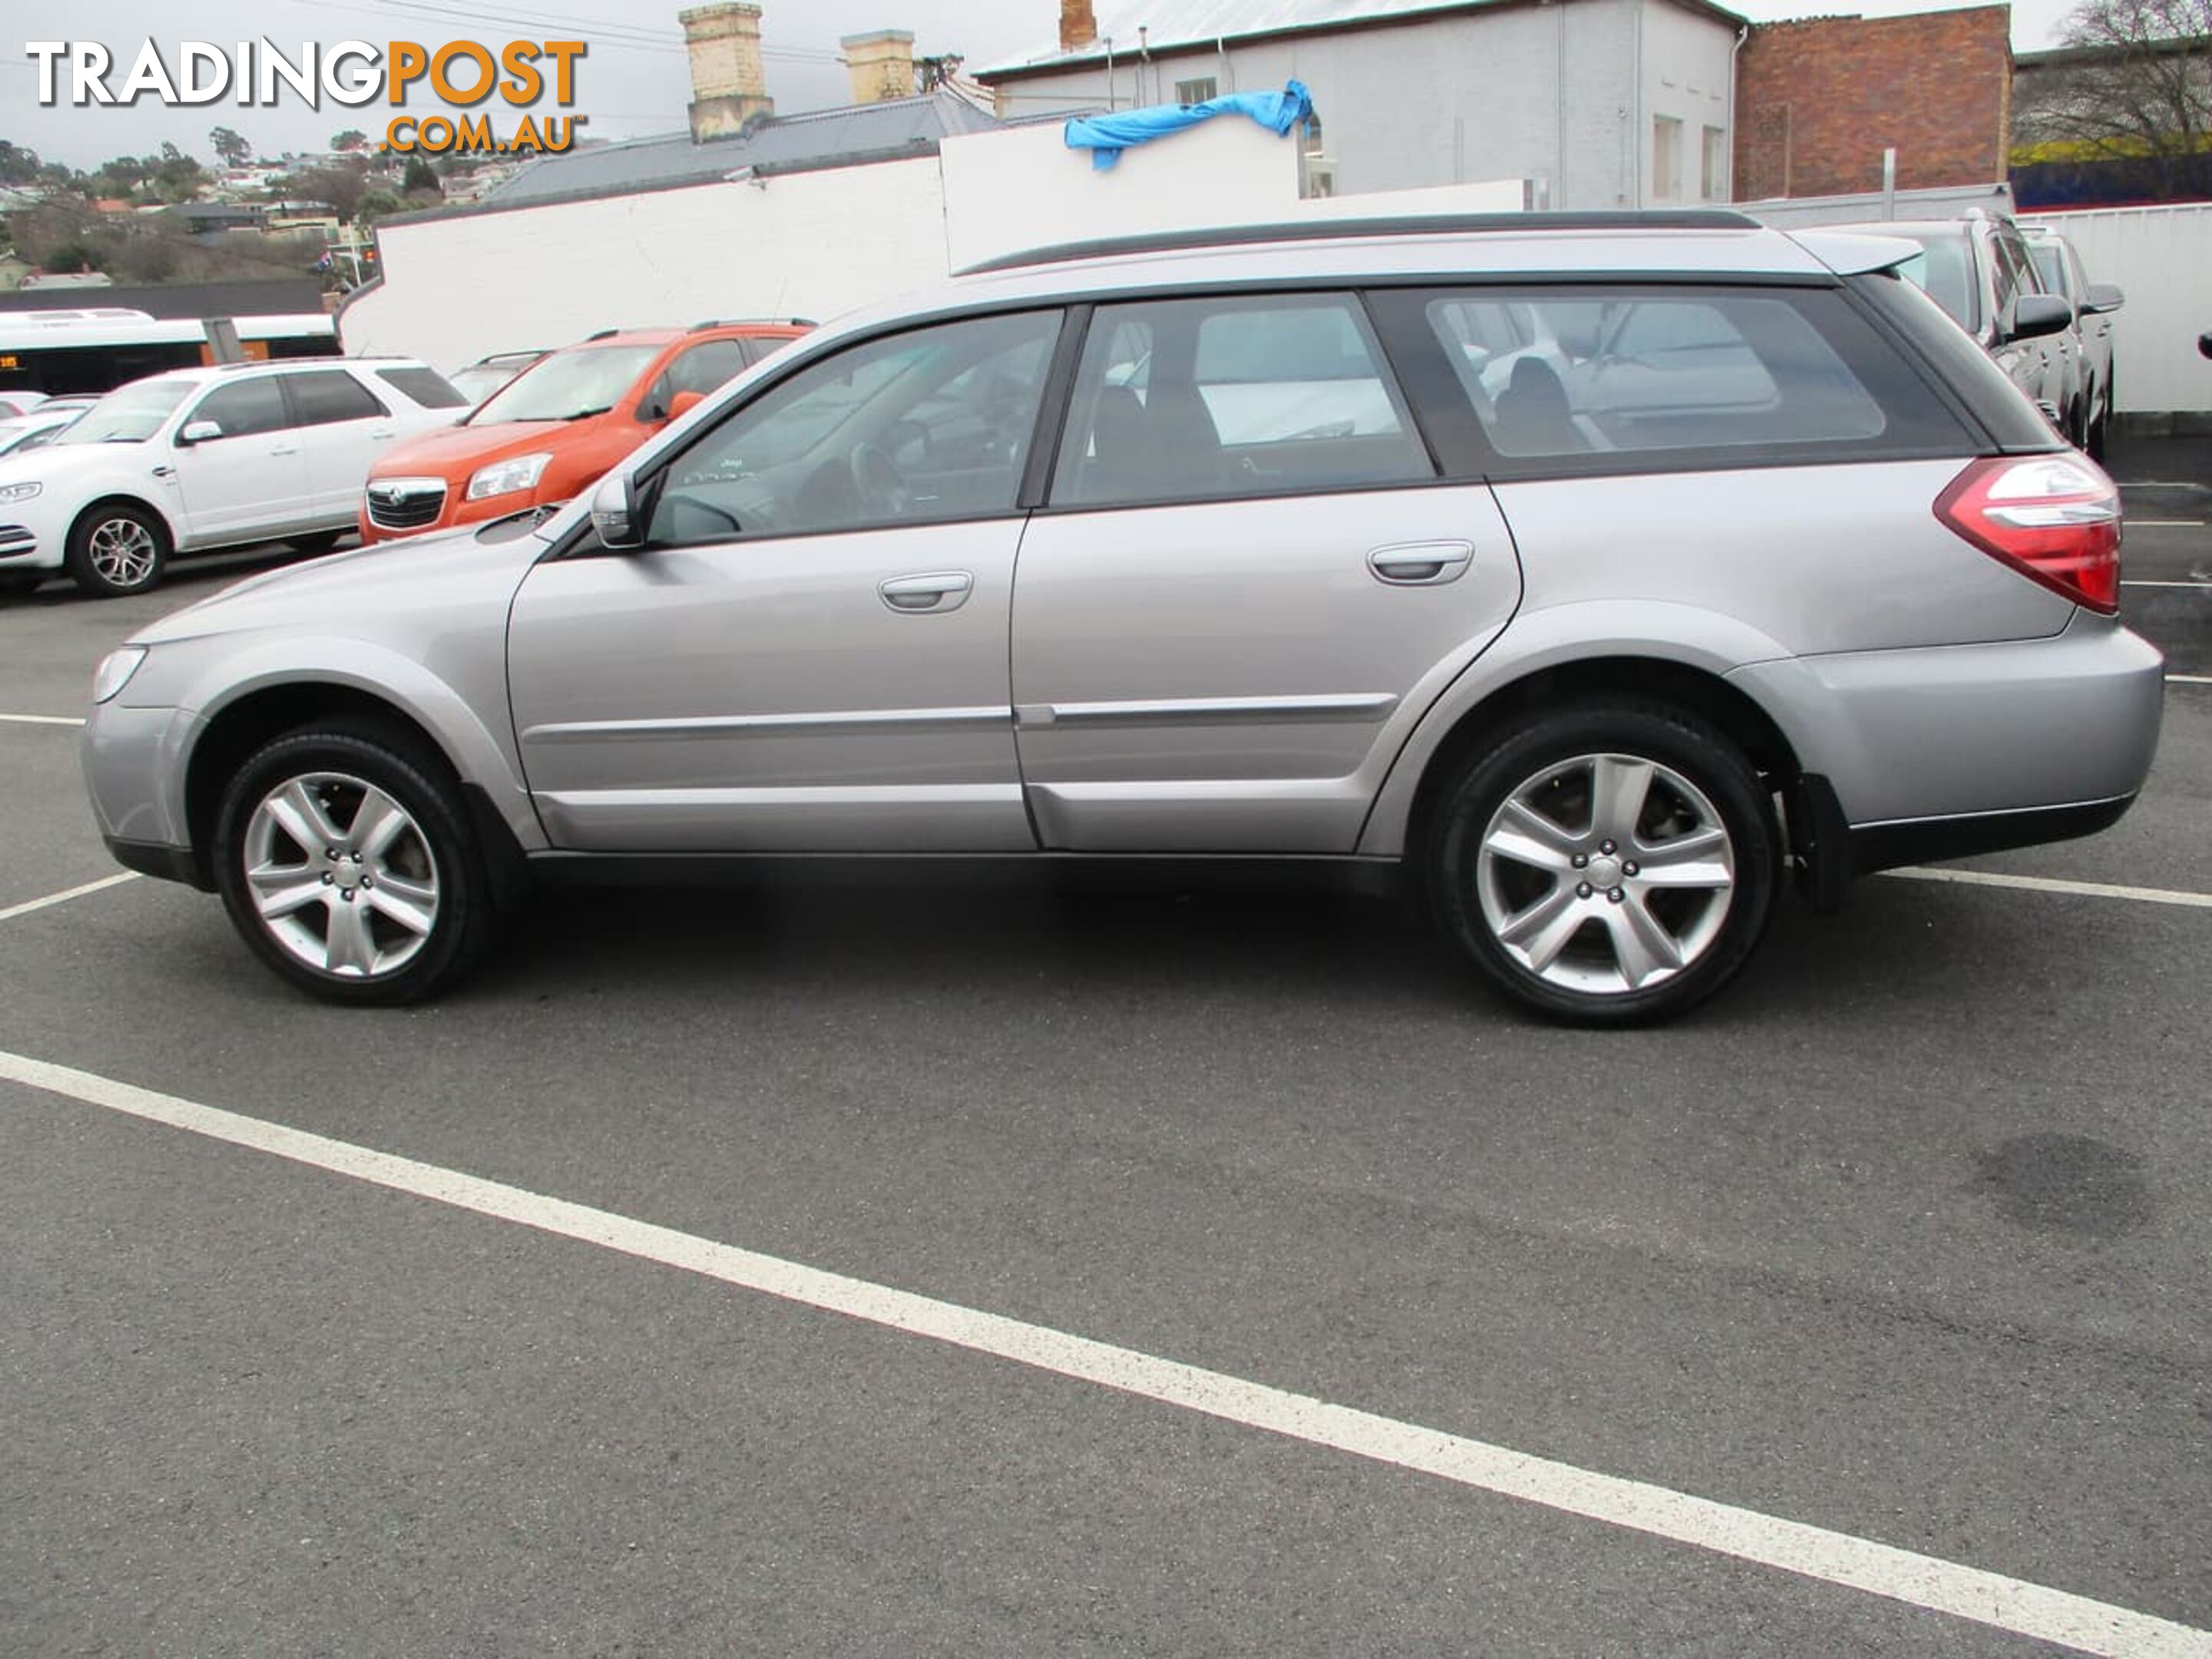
point(198, 432)
point(683, 403)
point(614, 512)
point(2204, 345)
point(2034, 315)
point(2100, 297)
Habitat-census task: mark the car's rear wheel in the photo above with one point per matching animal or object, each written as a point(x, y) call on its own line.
point(115, 548)
point(344, 856)
point(1607, 865)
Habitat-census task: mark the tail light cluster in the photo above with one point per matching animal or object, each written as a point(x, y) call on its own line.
point(2055, 519)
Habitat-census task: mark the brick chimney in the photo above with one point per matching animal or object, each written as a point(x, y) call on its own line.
point(1079, 25)
point(881, 64)
point(728, 86)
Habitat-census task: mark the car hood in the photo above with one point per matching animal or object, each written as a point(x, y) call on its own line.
point(57, 462)
point(454, 451)
point(367, 590)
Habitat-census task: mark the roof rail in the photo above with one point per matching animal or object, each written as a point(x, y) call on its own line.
point(1306, 230)
point(604, 334)
point(740, 322)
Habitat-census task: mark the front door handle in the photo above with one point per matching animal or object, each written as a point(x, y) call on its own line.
point(1421, 564)
point(935, 590)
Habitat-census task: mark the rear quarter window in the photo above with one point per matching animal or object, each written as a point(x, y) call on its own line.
point(2001, 408)
point(1616, 378)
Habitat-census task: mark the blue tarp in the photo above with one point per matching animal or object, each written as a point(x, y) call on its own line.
point(1107, 135)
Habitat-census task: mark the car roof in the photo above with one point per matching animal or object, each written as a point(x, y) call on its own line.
point(1630, 246)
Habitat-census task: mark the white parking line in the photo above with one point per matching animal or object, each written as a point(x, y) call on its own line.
point(41, 720)
point(1922, 1581)
point(2148, 583)
point(66, 894)
point(2189, 679)
point(2164, 524)
point(2052, 884)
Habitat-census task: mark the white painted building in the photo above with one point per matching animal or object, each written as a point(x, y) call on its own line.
point(1602, 103)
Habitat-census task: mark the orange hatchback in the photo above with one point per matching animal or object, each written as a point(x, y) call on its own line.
point(549, 433)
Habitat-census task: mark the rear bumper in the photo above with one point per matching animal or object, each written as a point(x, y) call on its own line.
point(2020, 732)
point(1873, 847)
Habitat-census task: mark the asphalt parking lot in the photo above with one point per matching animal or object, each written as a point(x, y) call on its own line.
point(869, 1264)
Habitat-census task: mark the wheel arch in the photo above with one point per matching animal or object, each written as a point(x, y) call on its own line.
point(122, 498)
point(1405, 810)
point(228, 734)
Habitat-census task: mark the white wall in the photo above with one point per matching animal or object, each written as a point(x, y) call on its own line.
point(1689, 64)
point(809, 244)
point(2159, 256)
point(816, 244)
point(1517, 92)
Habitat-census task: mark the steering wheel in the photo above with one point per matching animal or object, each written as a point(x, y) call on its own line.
point(880, 484)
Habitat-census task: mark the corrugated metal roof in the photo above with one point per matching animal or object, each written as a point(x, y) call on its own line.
point(1169, 25)
point(819, 138)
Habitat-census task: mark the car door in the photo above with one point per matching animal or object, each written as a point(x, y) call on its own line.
point(2039, 366)
point(809, 653)
point(247, 477)
point(1248, 584)
point(344, 427)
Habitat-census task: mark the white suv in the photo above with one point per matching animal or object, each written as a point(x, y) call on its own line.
point(207, 457)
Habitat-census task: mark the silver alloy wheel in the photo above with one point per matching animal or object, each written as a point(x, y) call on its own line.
point(341, 874)
point(123, 551)
point(1605, 874)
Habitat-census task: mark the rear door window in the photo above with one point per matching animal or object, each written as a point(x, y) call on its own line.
point(1258, 395)
point(328, 396)
point(1627, 379)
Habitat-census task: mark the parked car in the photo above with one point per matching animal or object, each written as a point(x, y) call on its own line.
point(207, 457)
point(554, 428)
point(19, 403)
point(1978, 268)
point(487, 374)
point(1795, 582)
point(21, 434)
point(2059, 266)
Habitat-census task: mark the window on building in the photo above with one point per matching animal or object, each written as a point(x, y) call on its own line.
point(1195, 92)
point(1666, 158)
point(1713, 179)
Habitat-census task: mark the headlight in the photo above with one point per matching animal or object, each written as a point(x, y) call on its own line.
point(504, 478)
point(115, 671)
point(20, 492)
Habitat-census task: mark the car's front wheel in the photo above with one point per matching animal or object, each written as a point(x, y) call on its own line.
point(1606, 864)
point(115, 548)
point(344, 858)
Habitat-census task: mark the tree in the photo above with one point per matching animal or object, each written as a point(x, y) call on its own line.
point(351, 139)
point(231, 145)
point(419, 175)
point(339, 188)
point(2134, 86)
point(19, 165)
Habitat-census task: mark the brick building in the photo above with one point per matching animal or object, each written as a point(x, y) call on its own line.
point(1819, 100)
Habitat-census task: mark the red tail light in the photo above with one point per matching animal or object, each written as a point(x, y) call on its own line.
point(2055, 519)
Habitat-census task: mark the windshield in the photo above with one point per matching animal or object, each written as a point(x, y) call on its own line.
point(2049, 265)
point(588, 381)
point(1943, 271)
point(128, 415)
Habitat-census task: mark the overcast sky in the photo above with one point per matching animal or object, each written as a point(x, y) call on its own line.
point(634, 81)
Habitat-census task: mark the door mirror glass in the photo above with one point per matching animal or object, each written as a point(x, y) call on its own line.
point(2034, 315)
point(198, 432)
point(614, 512)
point(2102, 297)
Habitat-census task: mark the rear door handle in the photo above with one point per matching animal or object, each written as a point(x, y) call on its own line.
point(935, 590)
point(285, 449)
point(1421, 564)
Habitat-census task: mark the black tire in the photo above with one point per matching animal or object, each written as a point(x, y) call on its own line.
point(437, 840)
point(1712, 785)
point(94, 560)
point(2101, 428)
point(316, 545)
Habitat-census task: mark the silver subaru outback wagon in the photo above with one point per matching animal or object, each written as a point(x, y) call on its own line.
point(1601, 571)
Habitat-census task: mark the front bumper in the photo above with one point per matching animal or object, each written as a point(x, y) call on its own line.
point(134, 771)
point(163, 862)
